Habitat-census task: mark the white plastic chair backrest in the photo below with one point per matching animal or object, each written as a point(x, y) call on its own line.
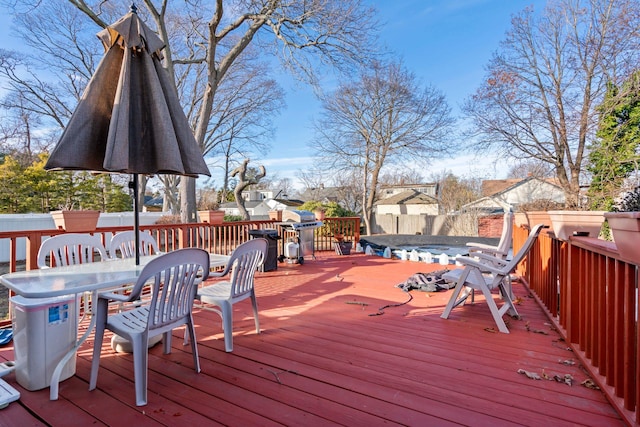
point(174, 277)
point(244, 262)
point(524, 250)
point(507, 233)
point(70, 249)
point(124, 243)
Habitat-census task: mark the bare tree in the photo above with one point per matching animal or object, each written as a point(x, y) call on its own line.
point(530, 167)
point(348, 192)
point(245, 179)
point(284, 186)
point(307, 31)
point(45, 79)
point(19, 131)
point(454, 192)
point(382, 119)
point(241, 124)
point(401, 177)
point(540, 95)
point(314, 180)
point(204, 40)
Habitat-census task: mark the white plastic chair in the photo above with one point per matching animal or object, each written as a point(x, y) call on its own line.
point(504, 245)
point(174, 278)
point(501, 251)
point(486, 276)
point(70, 249)
point(123, 244)
point(244, 262)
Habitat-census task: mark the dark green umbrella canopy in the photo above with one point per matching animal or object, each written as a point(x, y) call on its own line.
point(129, 119)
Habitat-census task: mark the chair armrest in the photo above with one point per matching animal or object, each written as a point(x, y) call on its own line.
point(482, 266)
point(482, 257)
point(493, 251)
point(217, 274)
point(114, 296)
point(481, 246)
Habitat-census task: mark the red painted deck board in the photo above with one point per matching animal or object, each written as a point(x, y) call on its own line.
point(325, 358)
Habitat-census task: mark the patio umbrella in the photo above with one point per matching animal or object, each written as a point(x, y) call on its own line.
point(129, 119)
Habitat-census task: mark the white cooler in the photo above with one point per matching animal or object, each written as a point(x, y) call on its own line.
point(44, 330)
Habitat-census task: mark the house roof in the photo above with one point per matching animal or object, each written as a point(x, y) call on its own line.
point(488, 204)
point(153, 201)
point(424, 184)
point(289, 202)
point(321, 194)
point(409, 197)
point(498, 200)
point(247, 204)
point(548, 181)
point(492, 187)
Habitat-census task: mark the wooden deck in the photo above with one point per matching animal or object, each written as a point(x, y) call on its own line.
point(325, 358)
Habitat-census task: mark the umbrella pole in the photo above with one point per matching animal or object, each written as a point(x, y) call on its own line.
point(136, 218)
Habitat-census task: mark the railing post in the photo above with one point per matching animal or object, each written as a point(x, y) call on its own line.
point(13, 255)
point(34, 240)
point(183, 237)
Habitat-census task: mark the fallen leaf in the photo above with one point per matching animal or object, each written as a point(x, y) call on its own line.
point(357, 303)
point(567, 362)
point(535, 331)
point(529, 374)
point(568, 379)
point(589, 383)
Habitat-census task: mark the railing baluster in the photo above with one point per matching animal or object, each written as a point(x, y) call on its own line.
point(592, 298)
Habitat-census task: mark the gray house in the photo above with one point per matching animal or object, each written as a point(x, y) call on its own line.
point(509, 194)
point(409, 202)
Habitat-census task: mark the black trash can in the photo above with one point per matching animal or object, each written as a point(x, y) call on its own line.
point(271, 235)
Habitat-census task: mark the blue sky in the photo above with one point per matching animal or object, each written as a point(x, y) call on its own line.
point(445, 43)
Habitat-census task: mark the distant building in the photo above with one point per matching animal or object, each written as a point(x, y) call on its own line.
point(430, 189)
point(259, 202)
point(408, 202)
point(509, 194)
point(257, 195)
point(153, 204)
point(321, 194)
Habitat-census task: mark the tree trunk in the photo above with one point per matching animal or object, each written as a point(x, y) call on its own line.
point(188, 199)
point(244, 182)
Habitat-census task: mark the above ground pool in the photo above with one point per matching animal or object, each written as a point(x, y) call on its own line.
point(442, 249)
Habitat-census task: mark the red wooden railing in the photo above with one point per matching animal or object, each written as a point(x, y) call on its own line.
point(591, 296)
point(220, 239)
point(588, 292)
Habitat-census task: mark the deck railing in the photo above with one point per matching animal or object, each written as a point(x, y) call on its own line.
point(220, 239)
point(589, 293)
point(591, 296)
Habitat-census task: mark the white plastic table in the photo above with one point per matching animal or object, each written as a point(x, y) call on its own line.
point(78, 279)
